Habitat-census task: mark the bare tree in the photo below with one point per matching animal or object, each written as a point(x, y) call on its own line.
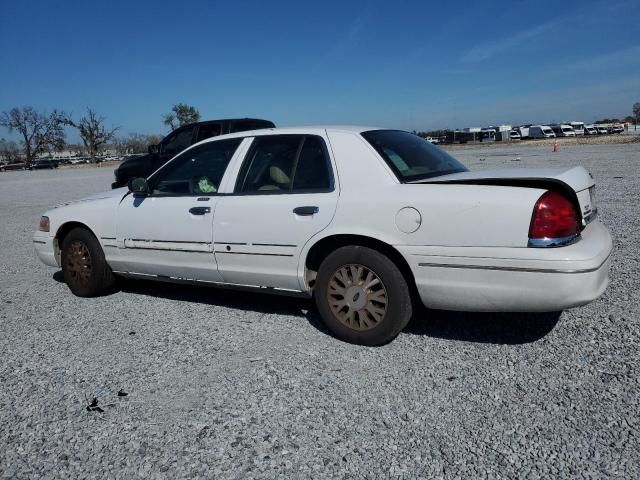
point(135, 143)
point(77, 149)
point(636, 113)
point(39, 132)
point(9, 151)
point(181, 114)
point(93, 132)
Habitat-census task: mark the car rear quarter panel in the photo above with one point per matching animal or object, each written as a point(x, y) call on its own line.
point(451, 215)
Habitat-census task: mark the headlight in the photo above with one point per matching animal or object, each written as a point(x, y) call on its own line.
point(44, 224)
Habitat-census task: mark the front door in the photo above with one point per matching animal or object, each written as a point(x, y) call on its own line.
point(169, 233)
point(284, 195)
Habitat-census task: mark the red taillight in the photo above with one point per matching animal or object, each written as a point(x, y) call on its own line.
point(553, 217)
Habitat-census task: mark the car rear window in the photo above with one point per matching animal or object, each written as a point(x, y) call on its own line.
point(411, 157)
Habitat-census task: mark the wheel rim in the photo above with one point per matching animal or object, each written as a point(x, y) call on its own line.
point(357, 297)
point(78, 262)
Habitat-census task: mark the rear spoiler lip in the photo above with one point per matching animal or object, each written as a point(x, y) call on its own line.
point(524, 182)
point(577, 178)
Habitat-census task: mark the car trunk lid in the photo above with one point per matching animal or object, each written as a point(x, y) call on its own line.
point(575, 182)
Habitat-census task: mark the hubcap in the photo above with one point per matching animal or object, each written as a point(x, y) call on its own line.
point(78, 262)
point(357, 297)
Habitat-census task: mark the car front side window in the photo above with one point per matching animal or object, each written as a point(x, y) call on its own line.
point(197, 171)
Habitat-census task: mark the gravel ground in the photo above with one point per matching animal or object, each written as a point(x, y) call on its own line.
point(231, 385)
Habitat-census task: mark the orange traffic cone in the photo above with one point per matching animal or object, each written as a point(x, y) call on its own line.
point(555, 146)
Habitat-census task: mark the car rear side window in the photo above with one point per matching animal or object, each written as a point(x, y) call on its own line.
point(285, 164)
point(246, 125)
point(410, 157)
point(208, 130)
point(197, 171)
point(312, 169)
point(177, 141)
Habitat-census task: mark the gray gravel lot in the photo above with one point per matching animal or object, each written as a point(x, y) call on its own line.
point(236, 385)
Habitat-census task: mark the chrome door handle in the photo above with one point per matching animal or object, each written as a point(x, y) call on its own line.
point(306, 211)
point(199, 210)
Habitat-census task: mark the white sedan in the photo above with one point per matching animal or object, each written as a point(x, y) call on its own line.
point(364, 220)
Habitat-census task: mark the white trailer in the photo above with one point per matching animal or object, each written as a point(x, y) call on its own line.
point(578, 127)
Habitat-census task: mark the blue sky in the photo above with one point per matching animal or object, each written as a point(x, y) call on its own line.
point(404, 64)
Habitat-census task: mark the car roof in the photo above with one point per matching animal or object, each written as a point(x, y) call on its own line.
point(304, 130)
point(224, 120)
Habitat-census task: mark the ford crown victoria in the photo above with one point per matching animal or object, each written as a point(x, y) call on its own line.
point(364, 220)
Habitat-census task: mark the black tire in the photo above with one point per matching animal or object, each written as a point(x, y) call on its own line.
point(363, 329)
point(83, 264)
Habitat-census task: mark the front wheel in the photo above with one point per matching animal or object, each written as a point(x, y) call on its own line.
point(362, 296)
point(83, 264)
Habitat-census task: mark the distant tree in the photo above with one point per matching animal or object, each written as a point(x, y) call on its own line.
point(77, 149)
point(39, 132)
point(9, 151)
point(636, 113)
point(181, 114)
point(135, 143)
point(93, 132)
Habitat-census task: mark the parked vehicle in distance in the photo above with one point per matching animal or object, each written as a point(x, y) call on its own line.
point(294, 214)
point(578, 127)
point(78, 160)
point(43, 163)
point(541, 131)
point(617, 128)
point(178, 140)
point(602, 130)
point(590, 130)
point(563, 130)
point(8, 166)
point(514, 135)
point(524, 131)
point(487, 135)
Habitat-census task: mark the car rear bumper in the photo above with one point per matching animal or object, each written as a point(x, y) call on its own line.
point(513, 279)
point(44, 246)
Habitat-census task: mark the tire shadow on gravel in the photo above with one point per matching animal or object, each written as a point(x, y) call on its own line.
point(498, 328)
point(253, 301)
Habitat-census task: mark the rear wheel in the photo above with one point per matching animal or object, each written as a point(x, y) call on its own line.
point(83, 264)
point(362, 296)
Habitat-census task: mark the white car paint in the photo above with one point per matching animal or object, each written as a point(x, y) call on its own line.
point(468, 251)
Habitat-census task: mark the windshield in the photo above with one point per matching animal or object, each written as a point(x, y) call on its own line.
point(567, 129)
point(411, 157)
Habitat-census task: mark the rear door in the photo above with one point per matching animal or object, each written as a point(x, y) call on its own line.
point(285, 193)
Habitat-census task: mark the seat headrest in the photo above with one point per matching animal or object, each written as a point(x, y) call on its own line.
point(278, 175)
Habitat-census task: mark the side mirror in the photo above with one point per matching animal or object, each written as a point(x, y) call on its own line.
point(153, 149)
point(139, 187)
